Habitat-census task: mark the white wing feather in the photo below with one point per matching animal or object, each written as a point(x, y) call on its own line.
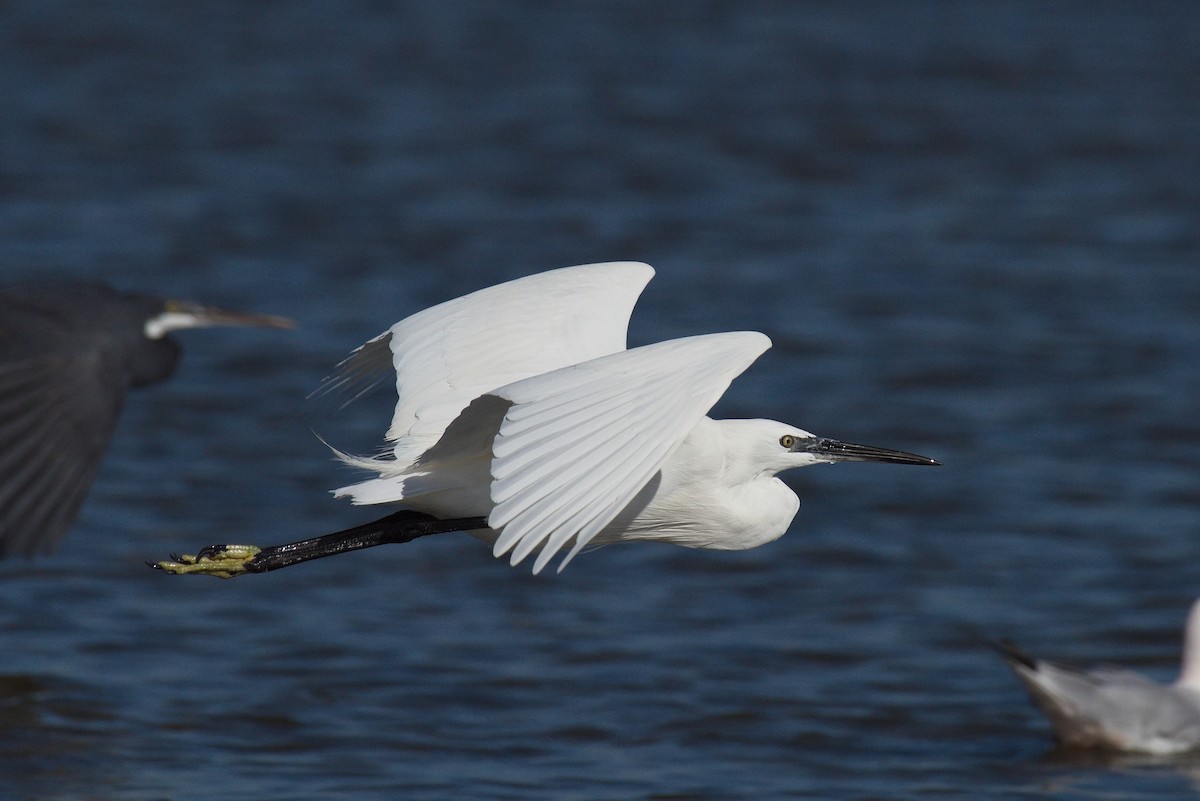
point(450, 354)
point(580, 442)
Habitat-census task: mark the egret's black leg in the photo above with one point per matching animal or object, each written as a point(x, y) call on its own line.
point(227, 561)
point(403, 526)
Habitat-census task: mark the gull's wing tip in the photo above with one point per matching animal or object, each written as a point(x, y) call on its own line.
point(1014, 654)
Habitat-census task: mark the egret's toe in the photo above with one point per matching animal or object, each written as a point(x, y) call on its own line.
point(222, 561)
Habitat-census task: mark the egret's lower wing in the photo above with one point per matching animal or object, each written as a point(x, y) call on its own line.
point(580, 442)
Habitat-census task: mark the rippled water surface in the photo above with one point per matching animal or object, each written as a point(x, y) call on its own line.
point(969, 228)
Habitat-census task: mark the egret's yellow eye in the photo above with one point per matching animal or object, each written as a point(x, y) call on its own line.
point(787, 441)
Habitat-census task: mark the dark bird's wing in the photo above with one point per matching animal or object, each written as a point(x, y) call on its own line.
point(58, 408)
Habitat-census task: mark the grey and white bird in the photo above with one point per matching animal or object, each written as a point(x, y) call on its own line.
point(68, 354)
point(1118, 710)
point(522, 418)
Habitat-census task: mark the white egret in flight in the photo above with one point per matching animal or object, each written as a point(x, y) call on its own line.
point(1118, 710)
point(522, 418)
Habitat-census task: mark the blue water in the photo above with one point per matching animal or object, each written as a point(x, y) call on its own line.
point(969, 228)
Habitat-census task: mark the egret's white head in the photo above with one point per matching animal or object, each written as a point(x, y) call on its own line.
point(771, 447)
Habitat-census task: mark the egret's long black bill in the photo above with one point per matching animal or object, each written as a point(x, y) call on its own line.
point(835, 450)
point(230, 560)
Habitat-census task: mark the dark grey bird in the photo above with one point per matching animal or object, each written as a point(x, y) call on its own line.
point(68, 355)
point(1118, 710)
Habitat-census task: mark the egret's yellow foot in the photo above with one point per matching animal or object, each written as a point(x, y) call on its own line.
point(222, 561)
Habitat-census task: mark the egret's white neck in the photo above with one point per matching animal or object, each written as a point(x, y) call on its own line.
point(741, 445)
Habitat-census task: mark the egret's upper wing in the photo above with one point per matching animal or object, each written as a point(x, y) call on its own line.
point(578, 443)
point(58, 409)
point(450, 354)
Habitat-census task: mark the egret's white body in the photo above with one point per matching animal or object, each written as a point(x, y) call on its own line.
point(519, 403)
point(1117, 709)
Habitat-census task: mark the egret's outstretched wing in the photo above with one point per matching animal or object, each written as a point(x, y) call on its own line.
point(450, 354)
point(578, 443)
point(57, 413)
